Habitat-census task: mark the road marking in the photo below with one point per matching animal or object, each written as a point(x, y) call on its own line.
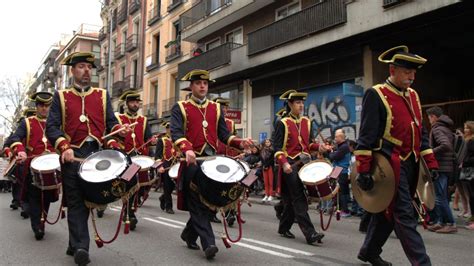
point(171, 220)
point(296, 251)
point(271, 252)
point(115, 208)
point(163, 223)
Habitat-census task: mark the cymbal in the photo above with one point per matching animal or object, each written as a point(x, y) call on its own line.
point(425, 185)
point(379, 197)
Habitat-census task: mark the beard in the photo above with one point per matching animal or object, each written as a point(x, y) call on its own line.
point(133, 109)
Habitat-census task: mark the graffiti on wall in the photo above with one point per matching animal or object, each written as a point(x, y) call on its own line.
point(329, 109)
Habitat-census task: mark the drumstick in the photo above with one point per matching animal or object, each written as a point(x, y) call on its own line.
point(79, 160)
point(146, 143)
point(203, 158)
point(118, 130)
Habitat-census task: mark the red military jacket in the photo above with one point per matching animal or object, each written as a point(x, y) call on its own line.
point(95, 109)
point(168, 152)
point(292, 138)
point(135, 139)
point(222, 148)
point(403, 128)
point(32, 134)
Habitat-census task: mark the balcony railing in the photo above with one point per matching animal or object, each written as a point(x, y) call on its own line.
point(102, 34)
point(390, 3)
point(154, 62)
point(122, 15)
point(151, 111)
point(167, 105)
point(201, 10)
point(154, 15)
point(208, 60)
point(173, 51)
point(118, 88)
point(130, 82)
point(134, 6)
point(132, 42)
point(174, 4)
point(120, 51)
point(311, 20)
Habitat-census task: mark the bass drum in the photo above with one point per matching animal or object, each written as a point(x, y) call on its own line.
point(105, 179)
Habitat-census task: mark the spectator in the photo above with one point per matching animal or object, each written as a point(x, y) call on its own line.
point(469, 162)
point(441, 140)
point(266, 156)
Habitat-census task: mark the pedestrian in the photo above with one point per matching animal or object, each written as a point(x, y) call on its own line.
point(467, 169)
point(391, 123)
point(266, 157)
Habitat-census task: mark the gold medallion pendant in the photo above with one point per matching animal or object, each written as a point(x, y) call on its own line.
point(204, 124)
point(83, 118)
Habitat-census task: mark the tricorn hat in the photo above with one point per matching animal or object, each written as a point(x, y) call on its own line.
point(42, 97)
point(281, 112)
point(29, 112)
point(165, 124)
point(79, 57)
point(130, 95)
point(400, 56)
point(293, 95)
point(197, 74)
point(222, 101)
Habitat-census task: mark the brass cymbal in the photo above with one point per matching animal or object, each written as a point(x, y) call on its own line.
point(379, 197)
point(425, 186)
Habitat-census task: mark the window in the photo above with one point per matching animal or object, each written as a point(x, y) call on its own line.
point(122, 72)
point(124, 37)
point(235, 36)
point(287, 10)
point(136, 27)
point(213, 44)
point(133, 82)
point(176, 32)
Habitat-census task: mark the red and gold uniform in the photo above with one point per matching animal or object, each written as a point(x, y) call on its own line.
point(140, 134)
point(166, 151)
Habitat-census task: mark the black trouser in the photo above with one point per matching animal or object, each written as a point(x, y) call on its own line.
point(403, 221)
point(34, 201)
point(77, 212)
point(295, 205)
point(168, 187)
point(16, 190)
point(344, 193)
point(198, 223)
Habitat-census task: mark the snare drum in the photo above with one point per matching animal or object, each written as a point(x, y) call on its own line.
point(107, 176)
point(173, 171)
point(221, 185)
point(315, 176)
point(46, 171)
point(145, 175)
point(10, 171)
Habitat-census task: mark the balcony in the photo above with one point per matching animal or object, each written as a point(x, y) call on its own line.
point(154, 15)
point(209, 60)
point(120, 51)
point(134, 6)
point(390, 3)
point(100, 68)
point(122, 15)
point(151, 111)
point(118, 88)
point(132, 42)
point(102, 34)
point(130, 82)
point(311, 20)
point(173, 51)
point(208, 16)
point(167, 105)
point(174, 4)
point(153, 62)
point(114, 21)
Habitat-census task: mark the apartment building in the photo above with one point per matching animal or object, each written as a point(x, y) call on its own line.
point(257, 49)
point(121, 47)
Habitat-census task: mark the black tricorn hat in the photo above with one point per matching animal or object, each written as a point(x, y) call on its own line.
point(79, 57)
point(197, 74)
point(222, 101)
point(165, 124)
point(42, 97)
point(281, 112)
point(400, 56)
point(130, 95)
point(293, 95)
point(29, 112)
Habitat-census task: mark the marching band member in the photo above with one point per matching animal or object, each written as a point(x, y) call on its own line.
point(134, 141)
point(79, 117)
point(196, 126)
point(28, 141)
point(292, 144)
point(166, 152)
point(391, 123)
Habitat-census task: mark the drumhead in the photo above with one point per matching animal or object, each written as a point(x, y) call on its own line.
point(315, 171)
point(223, 169)
point(145, 162)
point(246, 166)
point(173, 171)
point(45, 163)
point(103, 166)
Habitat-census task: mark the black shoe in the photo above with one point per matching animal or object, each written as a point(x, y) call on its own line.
point(189, 243)
point(170, 211)
point(39, 234)
point(231, 220)
point(133, 223)
point(376, 261)
point(211, 252)
point(100, 213)
point(70, 251)
point(287, 234)
point(162, 203)
point(215, 220)
point(81, 257)
point(315, 237)
point(14, 206)
point(24, 214)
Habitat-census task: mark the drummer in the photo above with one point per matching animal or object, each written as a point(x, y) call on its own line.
point(31, 131)
point(195, 132)
point(166, 152)
point(292, 145)
point(78, 119)
point(134, 142)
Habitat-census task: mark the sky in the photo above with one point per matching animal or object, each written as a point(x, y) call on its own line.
point(29, 27)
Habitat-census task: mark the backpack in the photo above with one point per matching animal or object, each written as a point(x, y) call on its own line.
point(459, 147)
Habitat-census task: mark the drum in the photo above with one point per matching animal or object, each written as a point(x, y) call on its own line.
point(145, 176)
point(10, 171)
point(107, 176)
point(315, 176)
point(245, 165)
point(173, 171)
point(46, 171)
point(221, 185)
